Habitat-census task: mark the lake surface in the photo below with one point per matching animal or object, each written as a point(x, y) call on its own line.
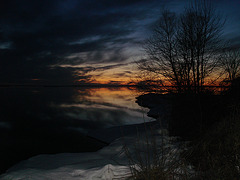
point(61, 119)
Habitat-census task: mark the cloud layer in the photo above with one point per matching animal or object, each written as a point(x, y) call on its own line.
point(38, 37)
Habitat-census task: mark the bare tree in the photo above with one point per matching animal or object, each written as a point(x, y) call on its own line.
point(230, 62)
point(182, 49)
point(161, 49)
point(199, 40)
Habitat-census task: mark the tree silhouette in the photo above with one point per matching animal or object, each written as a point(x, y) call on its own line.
point(183, 49)
point(230, 62)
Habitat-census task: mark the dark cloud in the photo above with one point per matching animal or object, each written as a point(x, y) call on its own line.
point(128, 72)
point(35, 35)
point(87, 69)
point(122, 75)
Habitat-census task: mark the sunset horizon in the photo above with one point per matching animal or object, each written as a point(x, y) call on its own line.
point(120, 89)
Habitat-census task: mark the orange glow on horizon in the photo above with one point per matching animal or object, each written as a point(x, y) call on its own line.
point(117, 75)
point(124, 74)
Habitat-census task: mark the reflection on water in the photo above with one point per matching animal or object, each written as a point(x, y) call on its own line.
point(103, 107)
point(53, 120)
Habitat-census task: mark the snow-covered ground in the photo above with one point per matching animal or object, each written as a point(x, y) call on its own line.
point(106, 164)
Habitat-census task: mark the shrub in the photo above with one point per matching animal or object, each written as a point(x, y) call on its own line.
point(216, 155)
point(157, 157)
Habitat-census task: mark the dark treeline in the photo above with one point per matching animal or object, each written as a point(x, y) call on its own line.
point(188, 51)
point(195, 76)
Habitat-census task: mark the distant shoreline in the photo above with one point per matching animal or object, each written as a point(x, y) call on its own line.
point(89, 85)
point(33, 85)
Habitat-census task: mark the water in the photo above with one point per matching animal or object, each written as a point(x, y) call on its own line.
point(60, 119)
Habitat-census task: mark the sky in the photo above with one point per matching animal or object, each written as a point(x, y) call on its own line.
point(84, 41)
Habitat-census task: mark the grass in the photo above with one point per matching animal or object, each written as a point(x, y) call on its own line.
point(216, 155)
point(213, 156)
point(214, 150)
point(157, 157)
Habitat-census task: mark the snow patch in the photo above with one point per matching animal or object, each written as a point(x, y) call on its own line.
point(106, 164)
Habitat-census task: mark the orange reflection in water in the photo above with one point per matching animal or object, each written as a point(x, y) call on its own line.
point(112, 106)
point(119, 97)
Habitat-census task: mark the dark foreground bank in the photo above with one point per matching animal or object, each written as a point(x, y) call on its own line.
point(55, 142)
